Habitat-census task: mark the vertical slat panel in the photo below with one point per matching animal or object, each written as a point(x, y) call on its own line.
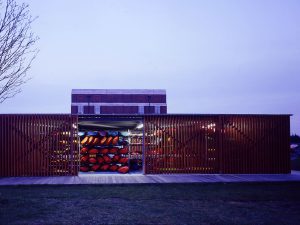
point(189, 145)
point(248, 128)
point(176, 135)
point(243, 152)
point(160, 157)
point(180, 147)
point(76, 147)
point(257, 150)
point(279, 145)
point(70, 162)
point(35, 146)
point(30, 142)
point(30, 133)
point(61, 148)
point(163, 123)
point(156, 166)
point(2, 167)
point(194, 148)
point(181, 144)
point(165, 167)
point(10, 146)
point(243, 138)
point(182, 140)
point(148, 146)
point(58, 148)
point(286, 134)
point(43, 150)
point(237, 148)
point(13, 150)
point(151, 155)
point(5, 147)
point(47, 147)
point(54, 147)
point(159, 154)
point(50, 149)
point(20, 144)
point(27, 142)
point(224, 145)
point(73, 150)
point(201, 143)
point(263, 143)
point(14, 147)
point(256, 143)
point(221, 145)
point(2, 135)
point(154, 152)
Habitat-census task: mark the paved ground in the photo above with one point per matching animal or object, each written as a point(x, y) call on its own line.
point(139, 178)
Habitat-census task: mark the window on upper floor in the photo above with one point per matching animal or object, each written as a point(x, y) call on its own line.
point(80, 109)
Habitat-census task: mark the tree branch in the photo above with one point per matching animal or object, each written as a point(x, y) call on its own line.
point(16, 47)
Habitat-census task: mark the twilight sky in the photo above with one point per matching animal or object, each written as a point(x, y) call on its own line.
point(211, 56)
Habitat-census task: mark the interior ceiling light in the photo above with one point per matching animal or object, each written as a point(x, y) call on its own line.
point(140, 126)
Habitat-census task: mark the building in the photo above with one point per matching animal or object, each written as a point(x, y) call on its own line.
point(118, 101)
point(129, 131)
point(66, 144)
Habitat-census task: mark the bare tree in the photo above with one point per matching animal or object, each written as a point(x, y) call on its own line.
point(16, 47)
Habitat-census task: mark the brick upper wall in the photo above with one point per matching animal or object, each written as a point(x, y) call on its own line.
point(119, 109)
point(118, 98)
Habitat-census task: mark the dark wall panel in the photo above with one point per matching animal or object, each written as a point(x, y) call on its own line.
point(38, 145)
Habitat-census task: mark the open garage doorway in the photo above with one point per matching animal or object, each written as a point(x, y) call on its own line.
point(111, 144)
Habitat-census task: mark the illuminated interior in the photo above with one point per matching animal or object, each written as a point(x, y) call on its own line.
point(110, 145)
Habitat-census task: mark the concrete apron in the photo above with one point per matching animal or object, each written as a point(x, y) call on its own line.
point(150, 179)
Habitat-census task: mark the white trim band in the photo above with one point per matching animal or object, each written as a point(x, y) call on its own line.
point(120, 91)
point(117, 104)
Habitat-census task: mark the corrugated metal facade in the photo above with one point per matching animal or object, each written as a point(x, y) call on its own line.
point(46, 145)
point(38, 145)
point(217, 144)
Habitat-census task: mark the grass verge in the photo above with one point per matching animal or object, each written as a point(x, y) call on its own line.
point(231, 203)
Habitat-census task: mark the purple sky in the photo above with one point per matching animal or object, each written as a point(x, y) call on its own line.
point(210, 56)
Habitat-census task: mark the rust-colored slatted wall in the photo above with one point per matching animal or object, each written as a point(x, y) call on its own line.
point(217, 144)
point(181, 144)
point(255, 144)
point(38, 145)
point(46, 145)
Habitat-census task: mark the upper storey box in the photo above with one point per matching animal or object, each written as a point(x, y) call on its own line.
point(119, 101)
